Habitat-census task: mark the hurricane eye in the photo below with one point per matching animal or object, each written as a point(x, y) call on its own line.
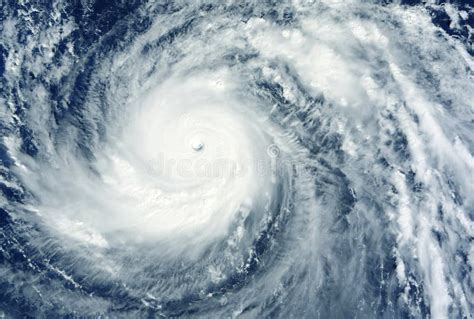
point(197, 145)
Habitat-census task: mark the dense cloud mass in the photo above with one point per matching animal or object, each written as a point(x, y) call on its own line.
point(247, 159)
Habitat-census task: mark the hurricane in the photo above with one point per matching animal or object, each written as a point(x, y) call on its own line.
point(236, 159)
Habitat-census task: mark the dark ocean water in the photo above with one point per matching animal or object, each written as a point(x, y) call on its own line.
point(250, 159)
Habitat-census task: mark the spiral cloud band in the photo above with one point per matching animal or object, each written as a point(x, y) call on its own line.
point(247, 159)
